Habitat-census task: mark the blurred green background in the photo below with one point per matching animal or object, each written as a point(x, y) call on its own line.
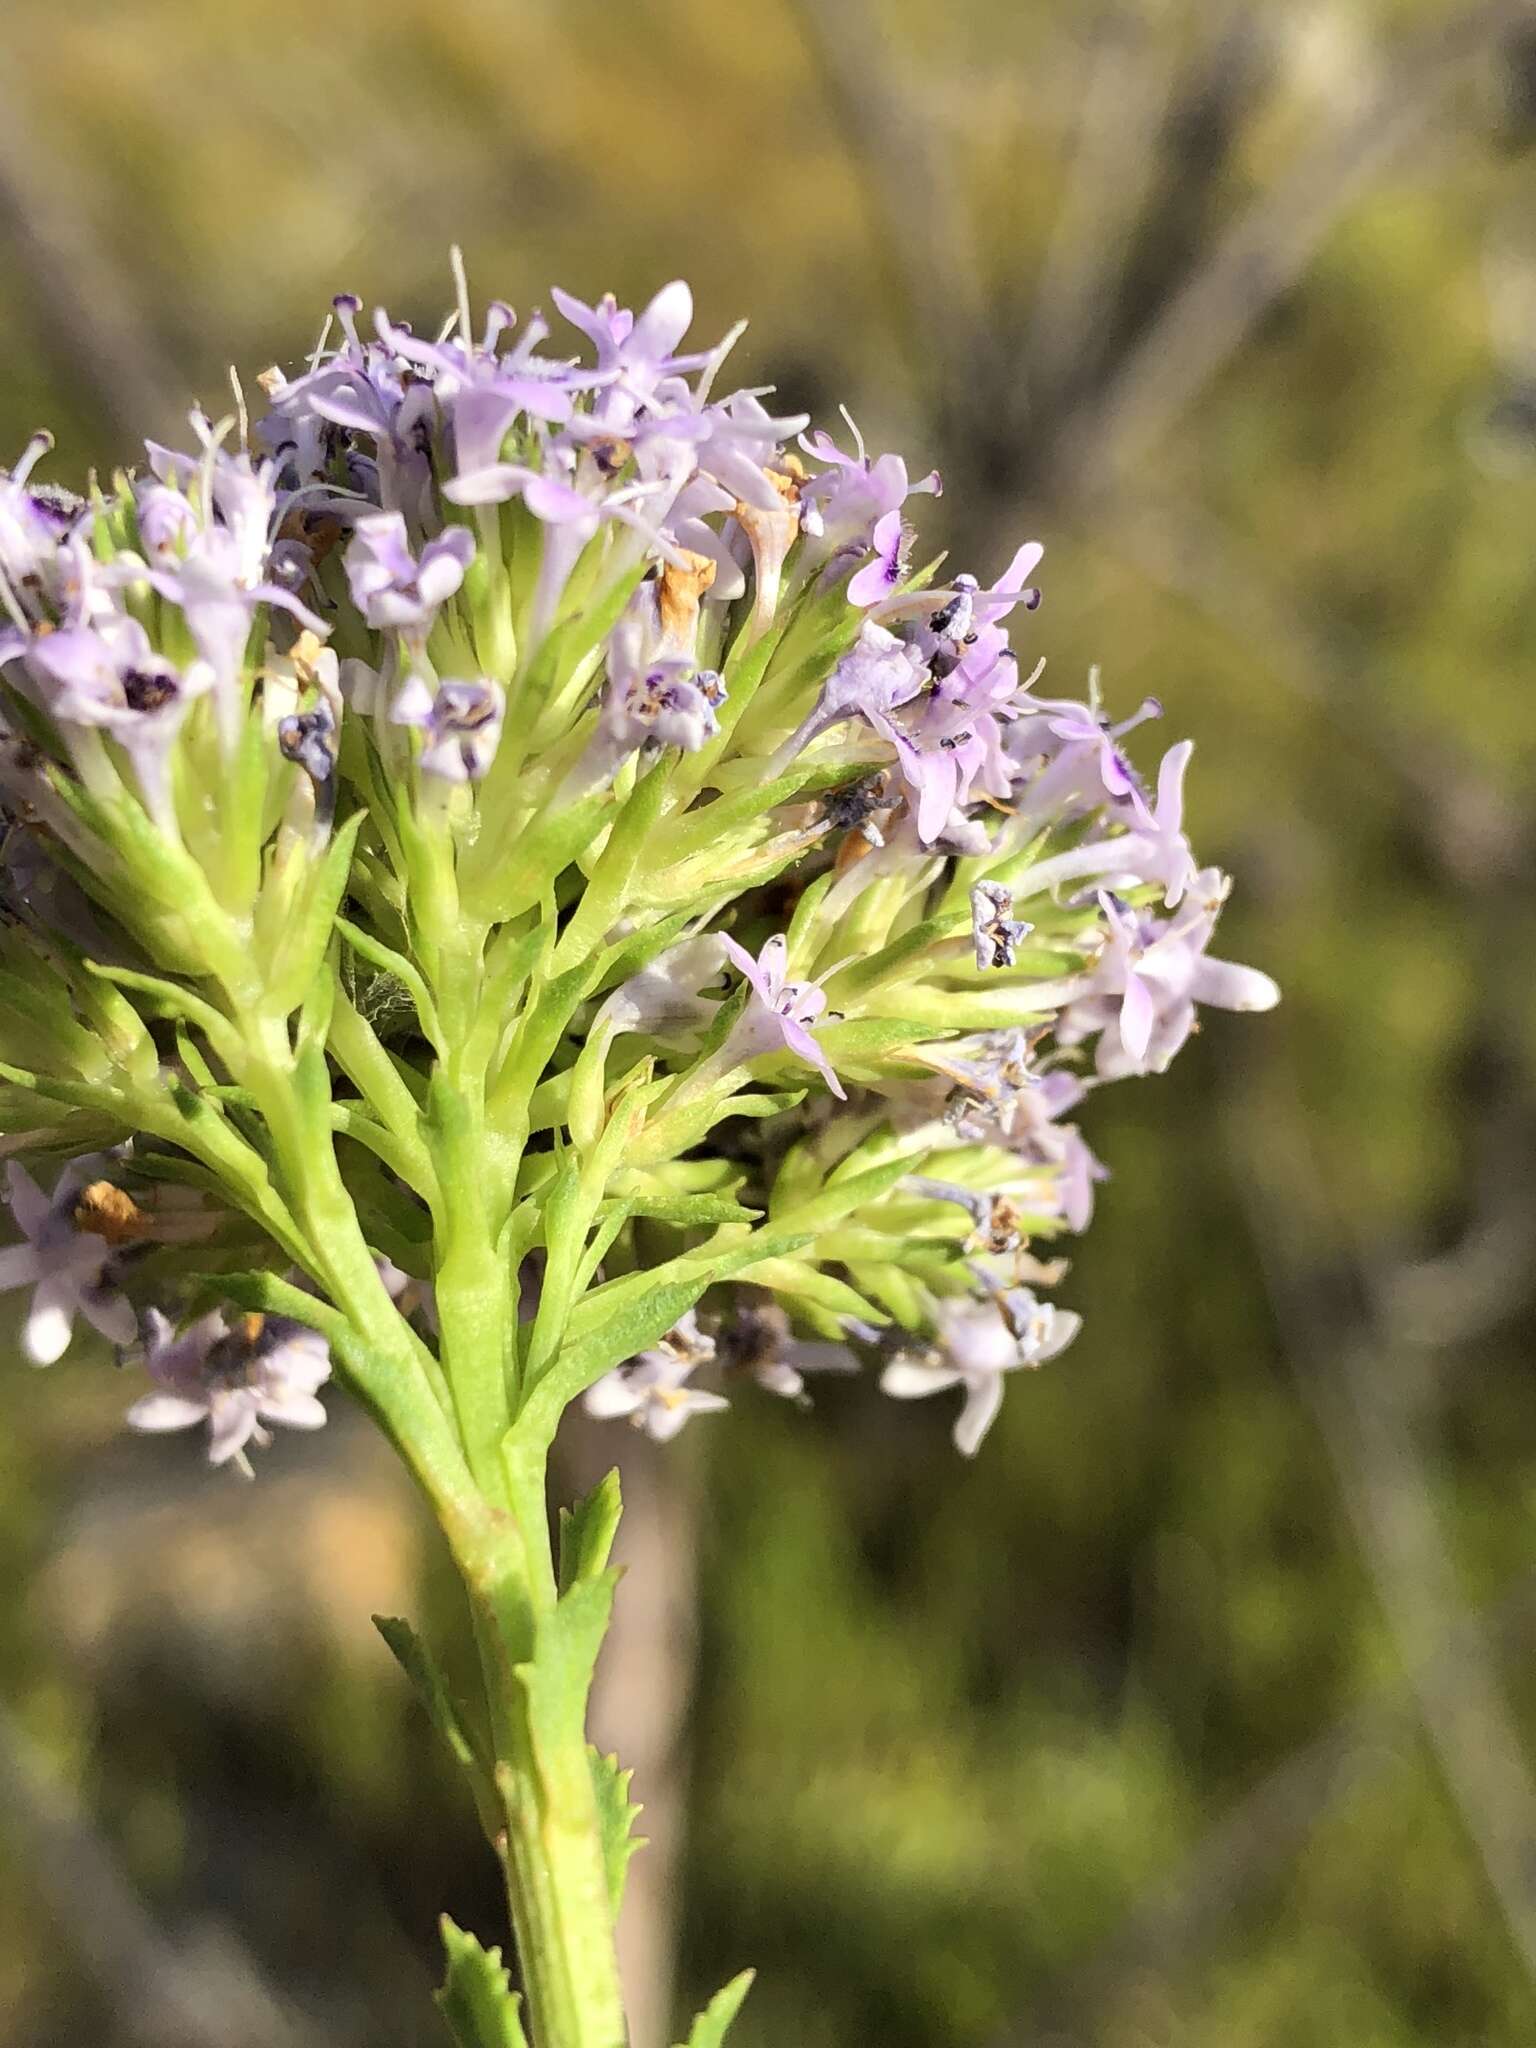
point(1198, 1712)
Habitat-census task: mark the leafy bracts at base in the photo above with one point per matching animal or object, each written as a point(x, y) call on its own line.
point(520, 892)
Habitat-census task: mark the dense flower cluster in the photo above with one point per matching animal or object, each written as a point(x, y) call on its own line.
point(510, 834)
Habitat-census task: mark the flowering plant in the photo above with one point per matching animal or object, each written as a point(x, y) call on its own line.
point(519, 891)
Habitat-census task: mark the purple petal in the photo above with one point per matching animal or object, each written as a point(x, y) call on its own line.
point(51, 1319)
point(742, 960)
point(165, 1411)
point(1137, 1015)
point(1231, 987)
point(877, 579)
point(983, 1398)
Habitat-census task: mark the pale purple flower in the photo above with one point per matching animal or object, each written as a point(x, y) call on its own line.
point(166, 518)
point(980, 1341)
point(1004, 1098)
point(459, 722)
point(233, 1376)
point(34, 520)
point(1141, 993)
point(1068, 756)
point(571, 500)
point(651, 700)
point(217, 568)
point(671, 704)
point(364, 387)
point(396, 590)
point(109, 677)
point(941, 694)
point(986, 606)
point(634, 353)
point(1027, 1119)
point(779, 1012)
point(482, 390)
point(1078, 1173)
point(739, 444)
point(73, 1239)
point(853, 493)
point(651, 1390)
point(879, 672)
point(1012, 588)
point(949, 742)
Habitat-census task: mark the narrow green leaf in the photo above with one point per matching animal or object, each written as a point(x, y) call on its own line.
point(709, 2029)
point(855, 1040)
point(803, 1282)
point(109, 1102)
point(689, 1211)
point(603, 898)
point(860, 976)
point(498, 889)
point(306, 929)
point(895, 1292)
point(421, 1668)
point(173, 999)
point(841, 1197)
point(540, 1030)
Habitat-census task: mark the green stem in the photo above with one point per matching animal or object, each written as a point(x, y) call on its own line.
point(552, 1848)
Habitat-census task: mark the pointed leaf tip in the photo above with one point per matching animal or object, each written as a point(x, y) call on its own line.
point(709, 2028)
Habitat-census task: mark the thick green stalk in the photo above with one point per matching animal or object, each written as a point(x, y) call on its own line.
point(552, 1848)
point(476, 1296)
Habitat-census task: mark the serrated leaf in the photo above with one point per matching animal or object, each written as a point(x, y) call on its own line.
point(709, 2028)
point(477, 2001)
point(587, 1532)
point(616, 1818)
point(567, 1639)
